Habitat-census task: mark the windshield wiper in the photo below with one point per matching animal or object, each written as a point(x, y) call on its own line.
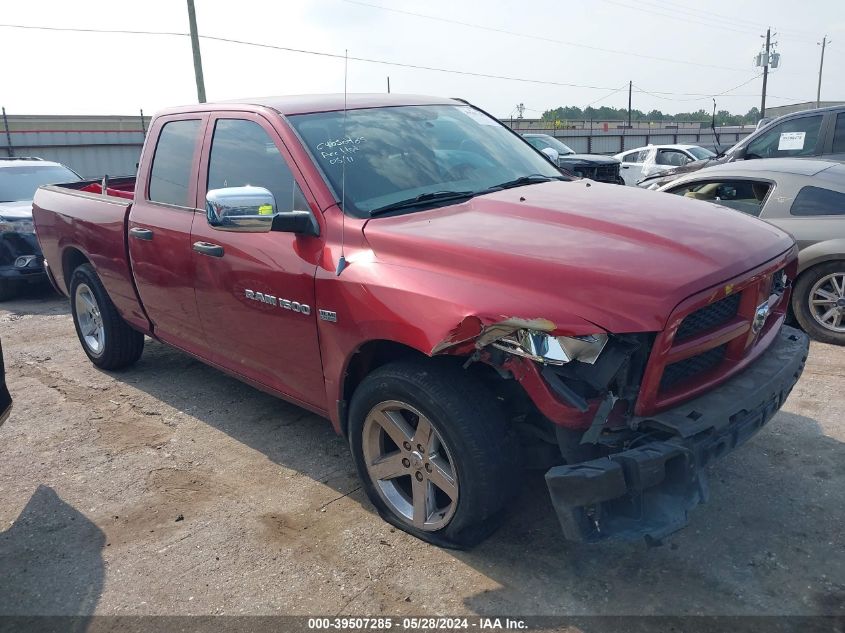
point(421, 199)
point(524, 180)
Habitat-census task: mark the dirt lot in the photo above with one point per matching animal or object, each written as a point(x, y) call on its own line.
point(173, 489)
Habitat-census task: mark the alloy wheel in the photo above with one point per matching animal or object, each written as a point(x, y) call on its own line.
point(827, 302)
point(410, 465)
point(90, 320)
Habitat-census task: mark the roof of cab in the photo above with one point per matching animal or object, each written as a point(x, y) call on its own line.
point(798, 166)
point(302, 104)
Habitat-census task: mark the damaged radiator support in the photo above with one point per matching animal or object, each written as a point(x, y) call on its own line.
point(616, 374)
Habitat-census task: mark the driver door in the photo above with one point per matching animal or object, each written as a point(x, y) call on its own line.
point(247, 282)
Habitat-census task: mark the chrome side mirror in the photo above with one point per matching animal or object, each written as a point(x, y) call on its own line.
point(245, 209)
point(552, 154)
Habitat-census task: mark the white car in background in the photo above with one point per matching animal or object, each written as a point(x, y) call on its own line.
point(646, 161)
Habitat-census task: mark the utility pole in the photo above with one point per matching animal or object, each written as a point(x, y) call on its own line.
point(195, 45)
point(824, 43)
point(765, 73)
point(630, 85)
point(388, 84)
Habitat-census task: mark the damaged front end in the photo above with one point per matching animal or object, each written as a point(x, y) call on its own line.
point(574, 380)
point(613, 474)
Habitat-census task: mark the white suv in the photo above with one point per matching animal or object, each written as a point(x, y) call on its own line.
point(645, 161)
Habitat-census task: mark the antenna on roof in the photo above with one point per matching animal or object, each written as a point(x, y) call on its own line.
point(341, 262)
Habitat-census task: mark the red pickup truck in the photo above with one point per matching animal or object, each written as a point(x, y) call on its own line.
point(458, 307)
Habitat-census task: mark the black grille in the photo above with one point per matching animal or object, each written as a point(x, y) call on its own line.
point(607, 173)
point(708, 317)
point(692, 366)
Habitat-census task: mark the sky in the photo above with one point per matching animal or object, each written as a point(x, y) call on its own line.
point(547, 53)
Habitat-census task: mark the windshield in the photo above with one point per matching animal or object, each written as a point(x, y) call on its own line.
point(544, 141)
point(700, 153)
point(20, 183)
point(393, 154)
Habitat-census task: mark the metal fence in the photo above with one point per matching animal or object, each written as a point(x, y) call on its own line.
point(601, 138)
point(91, 153)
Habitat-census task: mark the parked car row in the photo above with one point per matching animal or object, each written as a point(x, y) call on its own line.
point(642, 162)
point(594, 166)
point(805, 134)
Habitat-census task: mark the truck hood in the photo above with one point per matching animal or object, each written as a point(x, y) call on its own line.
point(20, 210)
point(619, 257)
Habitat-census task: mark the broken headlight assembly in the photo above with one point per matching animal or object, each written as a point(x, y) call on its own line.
point(14, 225)
point(553, 350)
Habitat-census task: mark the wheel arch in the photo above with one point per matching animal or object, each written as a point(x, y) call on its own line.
point(72, 258)
point(366, 358)
point(820, 253)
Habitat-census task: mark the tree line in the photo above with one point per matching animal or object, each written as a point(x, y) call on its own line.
point(605, 113)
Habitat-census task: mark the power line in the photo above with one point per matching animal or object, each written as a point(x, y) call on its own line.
point(622, 87)
point(677, 17)
point(339, 56)
point(708, 14)
point(539, 38)
point(719, 94)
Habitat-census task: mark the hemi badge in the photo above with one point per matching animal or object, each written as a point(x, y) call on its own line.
point(328, 315)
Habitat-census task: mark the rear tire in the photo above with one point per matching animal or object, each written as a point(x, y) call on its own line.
point(108, 341)
point(9, 289)
point(465, 470)
point(823, 320)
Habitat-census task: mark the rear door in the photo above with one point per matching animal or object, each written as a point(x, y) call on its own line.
point(256, 291)
point(160, 230)
point(631, 168)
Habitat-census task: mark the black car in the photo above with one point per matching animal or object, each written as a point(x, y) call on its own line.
point(819, 133)
point(5, 398)
point(593, 166)
point(21, 261)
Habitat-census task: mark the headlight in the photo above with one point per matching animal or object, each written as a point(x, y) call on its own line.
point(8, 225)
point(553, 350)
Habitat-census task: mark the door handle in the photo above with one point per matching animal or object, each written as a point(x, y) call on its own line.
point(141, 234)
point(625, 167)
point(207, 248)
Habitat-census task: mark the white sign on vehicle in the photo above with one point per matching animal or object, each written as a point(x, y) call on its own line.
point(791, 140)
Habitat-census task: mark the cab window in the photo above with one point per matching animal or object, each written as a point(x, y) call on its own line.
point(242, 153)
point(747, 196)
point(170, 175)
point(796, 137)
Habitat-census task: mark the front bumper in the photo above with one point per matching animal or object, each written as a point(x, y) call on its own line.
point(648, 491)
point(20, 258)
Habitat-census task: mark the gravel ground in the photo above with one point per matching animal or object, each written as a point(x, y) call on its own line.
point(171, 488)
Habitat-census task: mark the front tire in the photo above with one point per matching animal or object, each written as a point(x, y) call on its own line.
point(106, 338)
point(818, 302)
point(433, 451)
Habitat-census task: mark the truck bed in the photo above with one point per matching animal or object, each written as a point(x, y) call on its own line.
point(76, 222)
